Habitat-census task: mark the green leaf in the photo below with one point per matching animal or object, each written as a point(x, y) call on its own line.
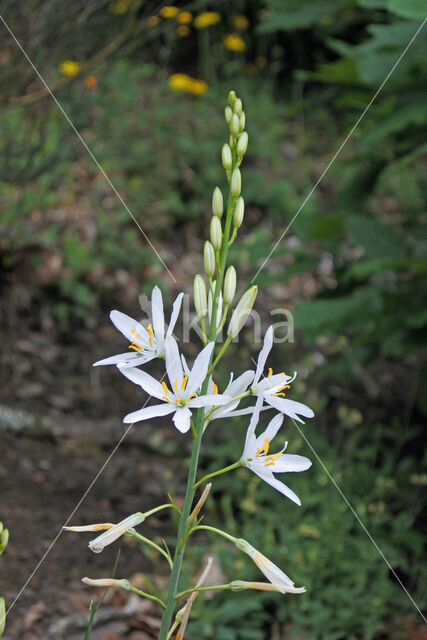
point(412, 9)
point(376, 238)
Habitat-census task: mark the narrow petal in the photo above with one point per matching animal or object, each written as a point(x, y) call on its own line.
point(240, 384)
point(272, 429)
point(130, 357)
point(263, 354)
point(290, 408)
point(200, 369)
point(268, 477)
point(157, 314)
point(209, 400)
point(291, 462)
point(130, 328)
point(175, 313)
point(182, 418)
point(173, 363)
point(146, 413)
point(144, 380)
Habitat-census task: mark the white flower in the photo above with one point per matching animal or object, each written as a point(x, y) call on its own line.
point(112, 533)
point(272, 572)
point(256, 455)
point(235, 389)
point(146, 343)
point(181, 398)
point(271, 387)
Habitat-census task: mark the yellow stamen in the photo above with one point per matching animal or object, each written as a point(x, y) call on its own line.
point(258, 451)
point(150, 334)
point(167, 399)
point(215, 387)
point(270, 372)
point(176, 385)
point(135, 334)
point(165, 387)
point(136, 347)
point(271, 460)
point(192, 395)
point(184, 383)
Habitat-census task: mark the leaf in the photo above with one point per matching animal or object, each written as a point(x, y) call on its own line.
point(412, 9)
point(376, 238)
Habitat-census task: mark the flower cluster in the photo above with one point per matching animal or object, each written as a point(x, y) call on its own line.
point(194, 400)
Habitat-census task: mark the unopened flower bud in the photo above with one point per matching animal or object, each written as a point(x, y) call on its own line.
point(209, 259)
point(238, 106)
point(227, 158)
point(232, 98)
point(228, 113)
point(230, 285)
point(200, 297)
point(238, 585)
point(242, 311)
point(216, 233)
point(242, 144)
point(236, 182)
point(98, 544)
point(234, 125)
point(2, 615)
point(242, 121)
point(4, 538)
point(239, 212)
point(217, 202)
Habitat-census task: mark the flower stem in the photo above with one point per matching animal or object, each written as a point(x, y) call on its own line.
point(147, 595)
point(153, 545)
point(220, 354)
point(216, 587)
point(207, 527)
point(218, 473)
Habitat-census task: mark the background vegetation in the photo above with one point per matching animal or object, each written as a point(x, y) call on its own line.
point(352, 267)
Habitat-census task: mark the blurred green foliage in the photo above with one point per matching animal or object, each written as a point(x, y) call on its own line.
point(354, 260)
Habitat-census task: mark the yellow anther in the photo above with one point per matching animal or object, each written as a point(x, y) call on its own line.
point(184, 383)
point(192, 395)
point(258, 451)
point(150, 334)
point(165, 387)
point(136, 347)
point(271, 460)
point(176, 385)
point(167, 399)
point(270, 372)
point(135, 334)
point(266, 446)
point(214, 387)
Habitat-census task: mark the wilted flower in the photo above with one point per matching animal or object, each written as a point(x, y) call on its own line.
point(112, 533)
point(257, 458)
point(146, 343)
point(233, 42)
point(69, 68)
point(107, 582)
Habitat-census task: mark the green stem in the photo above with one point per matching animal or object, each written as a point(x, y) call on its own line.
point(173, 627)
point(236, 465)
point(207, 527)
point(170, 505)
point(195, 453)
point(216, 587)
point(151, 544)
point(220, 354)
point(147, 595)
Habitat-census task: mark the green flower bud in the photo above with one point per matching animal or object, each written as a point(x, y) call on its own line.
point(238, 585)
point(200, 297)
point(239, 212)
point(4, 539)
point(242, 311)
point(242, 121)
point(236, 182)
point(242, 144)
point(232, 98)
point(209, 259)
point(2, 615)
point(217, 202)
point(227, 158)
point(216, 233)
point(228, 113)
point(234, 125)
point(238, 106)
point(230, 285)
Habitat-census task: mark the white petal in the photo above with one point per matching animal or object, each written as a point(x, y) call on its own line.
point(263, 354)
point(240, 384)
point(144, 380)
point(173, 363)
point(130, 357)
point(291, 462)
point(200, 369)
point(175, 313)
point(149, 412)
point(268, 477)
point(157, 314)
point(209, 400)
point(272, 429)
point(185, 365)
point(182, 419)
point(290, 407)
point(126, 325)
point(249, 448)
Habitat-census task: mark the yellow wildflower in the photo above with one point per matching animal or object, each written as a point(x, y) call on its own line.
point(182, 82)
point(240, 22)
point(183, 31)
point(169, 11)
point(185, 17)
point(153, 21)
point(234, 42)
point(119, 7)
point(69, 68)
point(207, 19)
